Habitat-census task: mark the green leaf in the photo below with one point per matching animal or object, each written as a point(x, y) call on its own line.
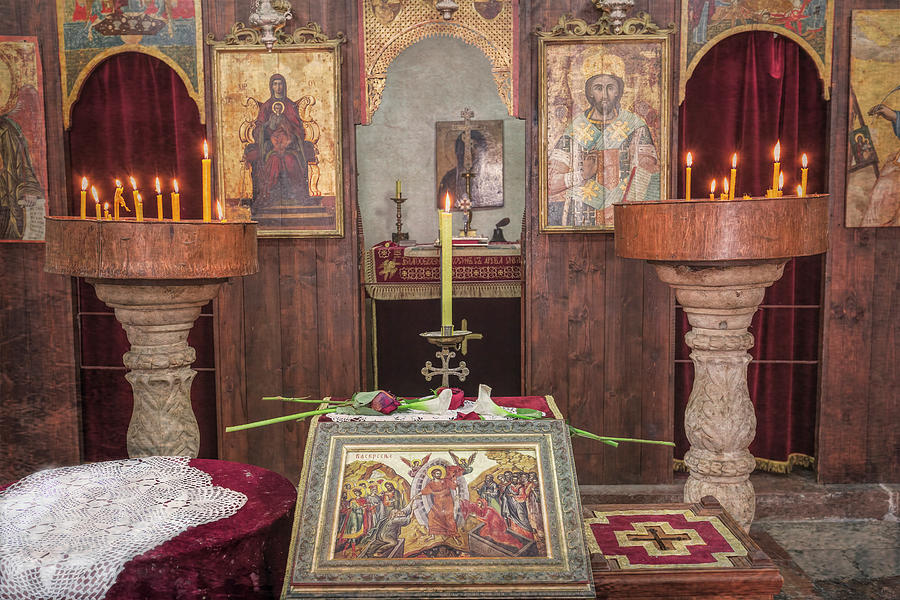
point(365, 410)
point(364, 398)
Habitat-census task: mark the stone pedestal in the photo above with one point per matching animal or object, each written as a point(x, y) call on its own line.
point(719, 421)
point(157, 320)
point(719, 257)
point(157, 276)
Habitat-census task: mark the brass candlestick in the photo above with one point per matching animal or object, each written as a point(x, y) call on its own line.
point(467, 228)
point(449, 343)
point(399, 235)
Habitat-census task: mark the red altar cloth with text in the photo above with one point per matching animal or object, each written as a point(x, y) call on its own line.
point(394, 272)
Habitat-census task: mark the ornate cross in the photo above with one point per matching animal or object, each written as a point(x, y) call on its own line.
point(657, 535)
point(445, 354)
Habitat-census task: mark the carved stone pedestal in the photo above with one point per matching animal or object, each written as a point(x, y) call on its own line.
point(157, 276)
point(720, 422)
point(720, 256)
point(157, 319)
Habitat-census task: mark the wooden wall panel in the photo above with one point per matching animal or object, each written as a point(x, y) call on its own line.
point(292, 329)
point(858, 435)
point(594, 323)
point(39, 416)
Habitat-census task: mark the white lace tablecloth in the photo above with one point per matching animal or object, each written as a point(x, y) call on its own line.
point(68, 532)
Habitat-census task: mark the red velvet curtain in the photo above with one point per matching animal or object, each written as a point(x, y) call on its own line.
point(134, 117)
point(749, 91)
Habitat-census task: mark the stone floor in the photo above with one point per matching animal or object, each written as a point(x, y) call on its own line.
point(831, 542)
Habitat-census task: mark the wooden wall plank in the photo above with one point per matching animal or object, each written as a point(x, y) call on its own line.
point(852, 405)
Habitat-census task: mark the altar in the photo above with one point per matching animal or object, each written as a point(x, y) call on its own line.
point(402, 285)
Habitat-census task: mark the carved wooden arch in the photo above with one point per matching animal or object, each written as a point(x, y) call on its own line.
point(495, 37)
point(70, 100)
point(822, 62)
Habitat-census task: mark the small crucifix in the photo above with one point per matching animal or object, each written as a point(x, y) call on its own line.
point(465, 203)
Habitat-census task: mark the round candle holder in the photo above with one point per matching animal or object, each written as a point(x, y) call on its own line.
point(157, 276)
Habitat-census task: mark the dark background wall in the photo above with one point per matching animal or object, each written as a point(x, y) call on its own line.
point(597, 330)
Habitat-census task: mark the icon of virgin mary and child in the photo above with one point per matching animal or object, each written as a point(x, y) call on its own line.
point(280, 154)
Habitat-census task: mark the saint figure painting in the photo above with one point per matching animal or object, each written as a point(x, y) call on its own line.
point(605, 132)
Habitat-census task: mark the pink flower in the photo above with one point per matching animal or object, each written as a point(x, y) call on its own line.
point(385, 403)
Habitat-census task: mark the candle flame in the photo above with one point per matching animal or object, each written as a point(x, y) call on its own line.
point(781, 180)
point(175, 184)
point(725, 185)
point(803, 160)
point(157, 186)
point(139, 199)
point(777, 152)
point(118, 183)
point(799, 190)
point(106, 206)
point(94, 194)
point(133, 184)
point(690, 159)
point(447, 202)
point(712, 186)
point(734, 161)
point(84, 183)
point(219, 209)
point(205, 150)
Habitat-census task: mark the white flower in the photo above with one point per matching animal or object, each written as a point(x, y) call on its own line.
point(485, 406)
point(440, 404)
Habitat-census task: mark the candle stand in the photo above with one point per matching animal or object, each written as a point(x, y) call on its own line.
point(399, 235)
point(449, 344)
point(157, 276)
point(719, 257)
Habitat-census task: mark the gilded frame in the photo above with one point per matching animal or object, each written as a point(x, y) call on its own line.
point(344, 457)
point(279, 160)
point(578, 160)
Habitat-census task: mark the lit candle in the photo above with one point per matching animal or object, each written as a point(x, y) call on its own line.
point(687, 177)
point(96, 201)
point(800, 193)
point(176, 202)
point(117, 199)
point(398, 190)
point(780, 184)
point(803, 173)
point(733, 176)
point(207, 191)
point(777, 167)
point(135, 196)
point(159, 208)
point(446, 227)
point(106, 210)
point(724, 195)
point(84, 197)
point(138, 206)
point(712, 189)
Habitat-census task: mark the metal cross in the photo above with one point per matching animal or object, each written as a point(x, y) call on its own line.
point(471, 336)
point(445, 354)
point(467, 114)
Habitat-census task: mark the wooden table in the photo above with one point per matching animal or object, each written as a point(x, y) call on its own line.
point(675, 551)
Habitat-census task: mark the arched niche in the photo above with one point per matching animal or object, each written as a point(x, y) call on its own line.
point(717, 118)
point(134, 117)
point(432, 80)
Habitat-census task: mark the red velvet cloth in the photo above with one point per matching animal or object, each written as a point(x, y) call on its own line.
point(749, 91)
point(134, 117)
point(243, 556)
